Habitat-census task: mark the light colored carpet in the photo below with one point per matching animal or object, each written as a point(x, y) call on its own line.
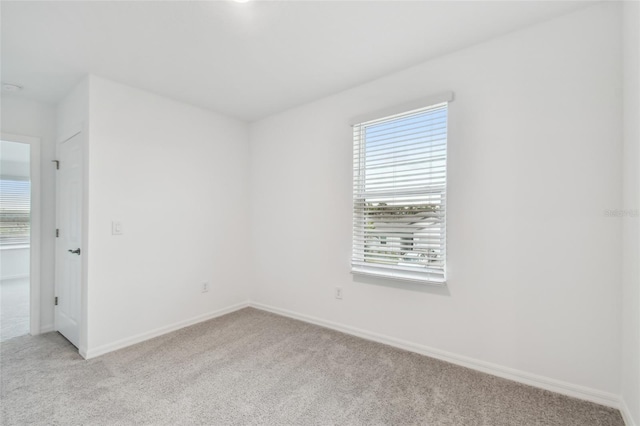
point(14, 308)
point(252, 367)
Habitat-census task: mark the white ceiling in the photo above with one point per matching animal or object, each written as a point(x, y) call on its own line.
point(243, 60)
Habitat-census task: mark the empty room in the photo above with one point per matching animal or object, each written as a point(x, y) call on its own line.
point(320, 213)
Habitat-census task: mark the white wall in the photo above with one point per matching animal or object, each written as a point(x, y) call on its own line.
point(631, 204)
point(176, 177)
point(14, 263)
point(30, 118)
point(534, 162)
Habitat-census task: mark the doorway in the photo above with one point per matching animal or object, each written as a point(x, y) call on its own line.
point(19, 236)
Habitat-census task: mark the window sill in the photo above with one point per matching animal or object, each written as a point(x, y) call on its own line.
point(399, 276)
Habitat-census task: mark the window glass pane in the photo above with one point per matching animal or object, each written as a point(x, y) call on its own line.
point(15, 207)
point(399, 192)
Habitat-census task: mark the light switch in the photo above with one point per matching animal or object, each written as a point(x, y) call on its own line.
point(116, 227)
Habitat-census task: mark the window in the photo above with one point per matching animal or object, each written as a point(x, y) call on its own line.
point(15, 207)
point(399, 195)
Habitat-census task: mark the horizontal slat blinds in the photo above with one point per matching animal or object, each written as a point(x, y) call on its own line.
point(15, 206)
point(399, 195)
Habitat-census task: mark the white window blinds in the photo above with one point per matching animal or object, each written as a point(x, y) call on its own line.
point(399, 195)
point(15, 208)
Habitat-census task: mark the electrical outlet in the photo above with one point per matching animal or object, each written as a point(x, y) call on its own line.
point(338, 292)
point(116, 227)
point(205, 287)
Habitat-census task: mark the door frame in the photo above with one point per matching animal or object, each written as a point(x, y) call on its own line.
point(35, 228)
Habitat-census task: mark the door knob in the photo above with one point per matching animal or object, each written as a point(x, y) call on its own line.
point(76, 251)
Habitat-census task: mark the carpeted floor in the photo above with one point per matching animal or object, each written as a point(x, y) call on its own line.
point(14, 308)
point(252, 367)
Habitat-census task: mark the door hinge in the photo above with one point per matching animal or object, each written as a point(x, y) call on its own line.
point(57, 233)
point(56, 301)
point(57, 164)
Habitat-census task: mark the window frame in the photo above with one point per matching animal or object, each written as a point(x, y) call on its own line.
point(436, 276)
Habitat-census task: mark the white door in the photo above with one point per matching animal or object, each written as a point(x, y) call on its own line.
point(68, 243)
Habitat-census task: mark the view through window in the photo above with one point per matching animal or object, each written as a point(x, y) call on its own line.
point(14, 211)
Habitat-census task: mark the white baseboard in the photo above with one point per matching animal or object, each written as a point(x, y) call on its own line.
point(553, 385)
point(119, 344)
point(626, 414)
point(47, 328)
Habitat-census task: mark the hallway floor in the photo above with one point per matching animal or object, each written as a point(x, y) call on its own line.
point(14, 308)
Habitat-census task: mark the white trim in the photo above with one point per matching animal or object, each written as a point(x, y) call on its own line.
point(626, 414)
point(123, 343)
point(553, 385)
point(65, 139)
point(403, 108)
point(399, 275)
point(35, 227)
